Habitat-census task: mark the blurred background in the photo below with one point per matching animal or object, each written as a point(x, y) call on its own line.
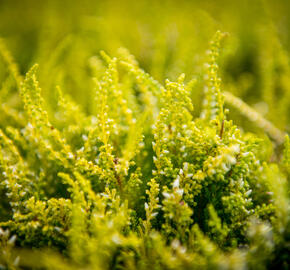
point(166, 37)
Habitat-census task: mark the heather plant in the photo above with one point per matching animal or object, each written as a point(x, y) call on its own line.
point(110, 166)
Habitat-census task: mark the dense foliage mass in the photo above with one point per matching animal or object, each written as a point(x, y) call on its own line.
point(105, 164)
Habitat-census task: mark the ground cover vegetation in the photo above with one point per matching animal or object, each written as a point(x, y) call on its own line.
point(144, 135)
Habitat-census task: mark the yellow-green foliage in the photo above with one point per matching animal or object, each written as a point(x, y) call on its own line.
point(115, 161)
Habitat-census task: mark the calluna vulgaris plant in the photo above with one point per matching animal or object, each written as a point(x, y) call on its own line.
point(140, 182)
